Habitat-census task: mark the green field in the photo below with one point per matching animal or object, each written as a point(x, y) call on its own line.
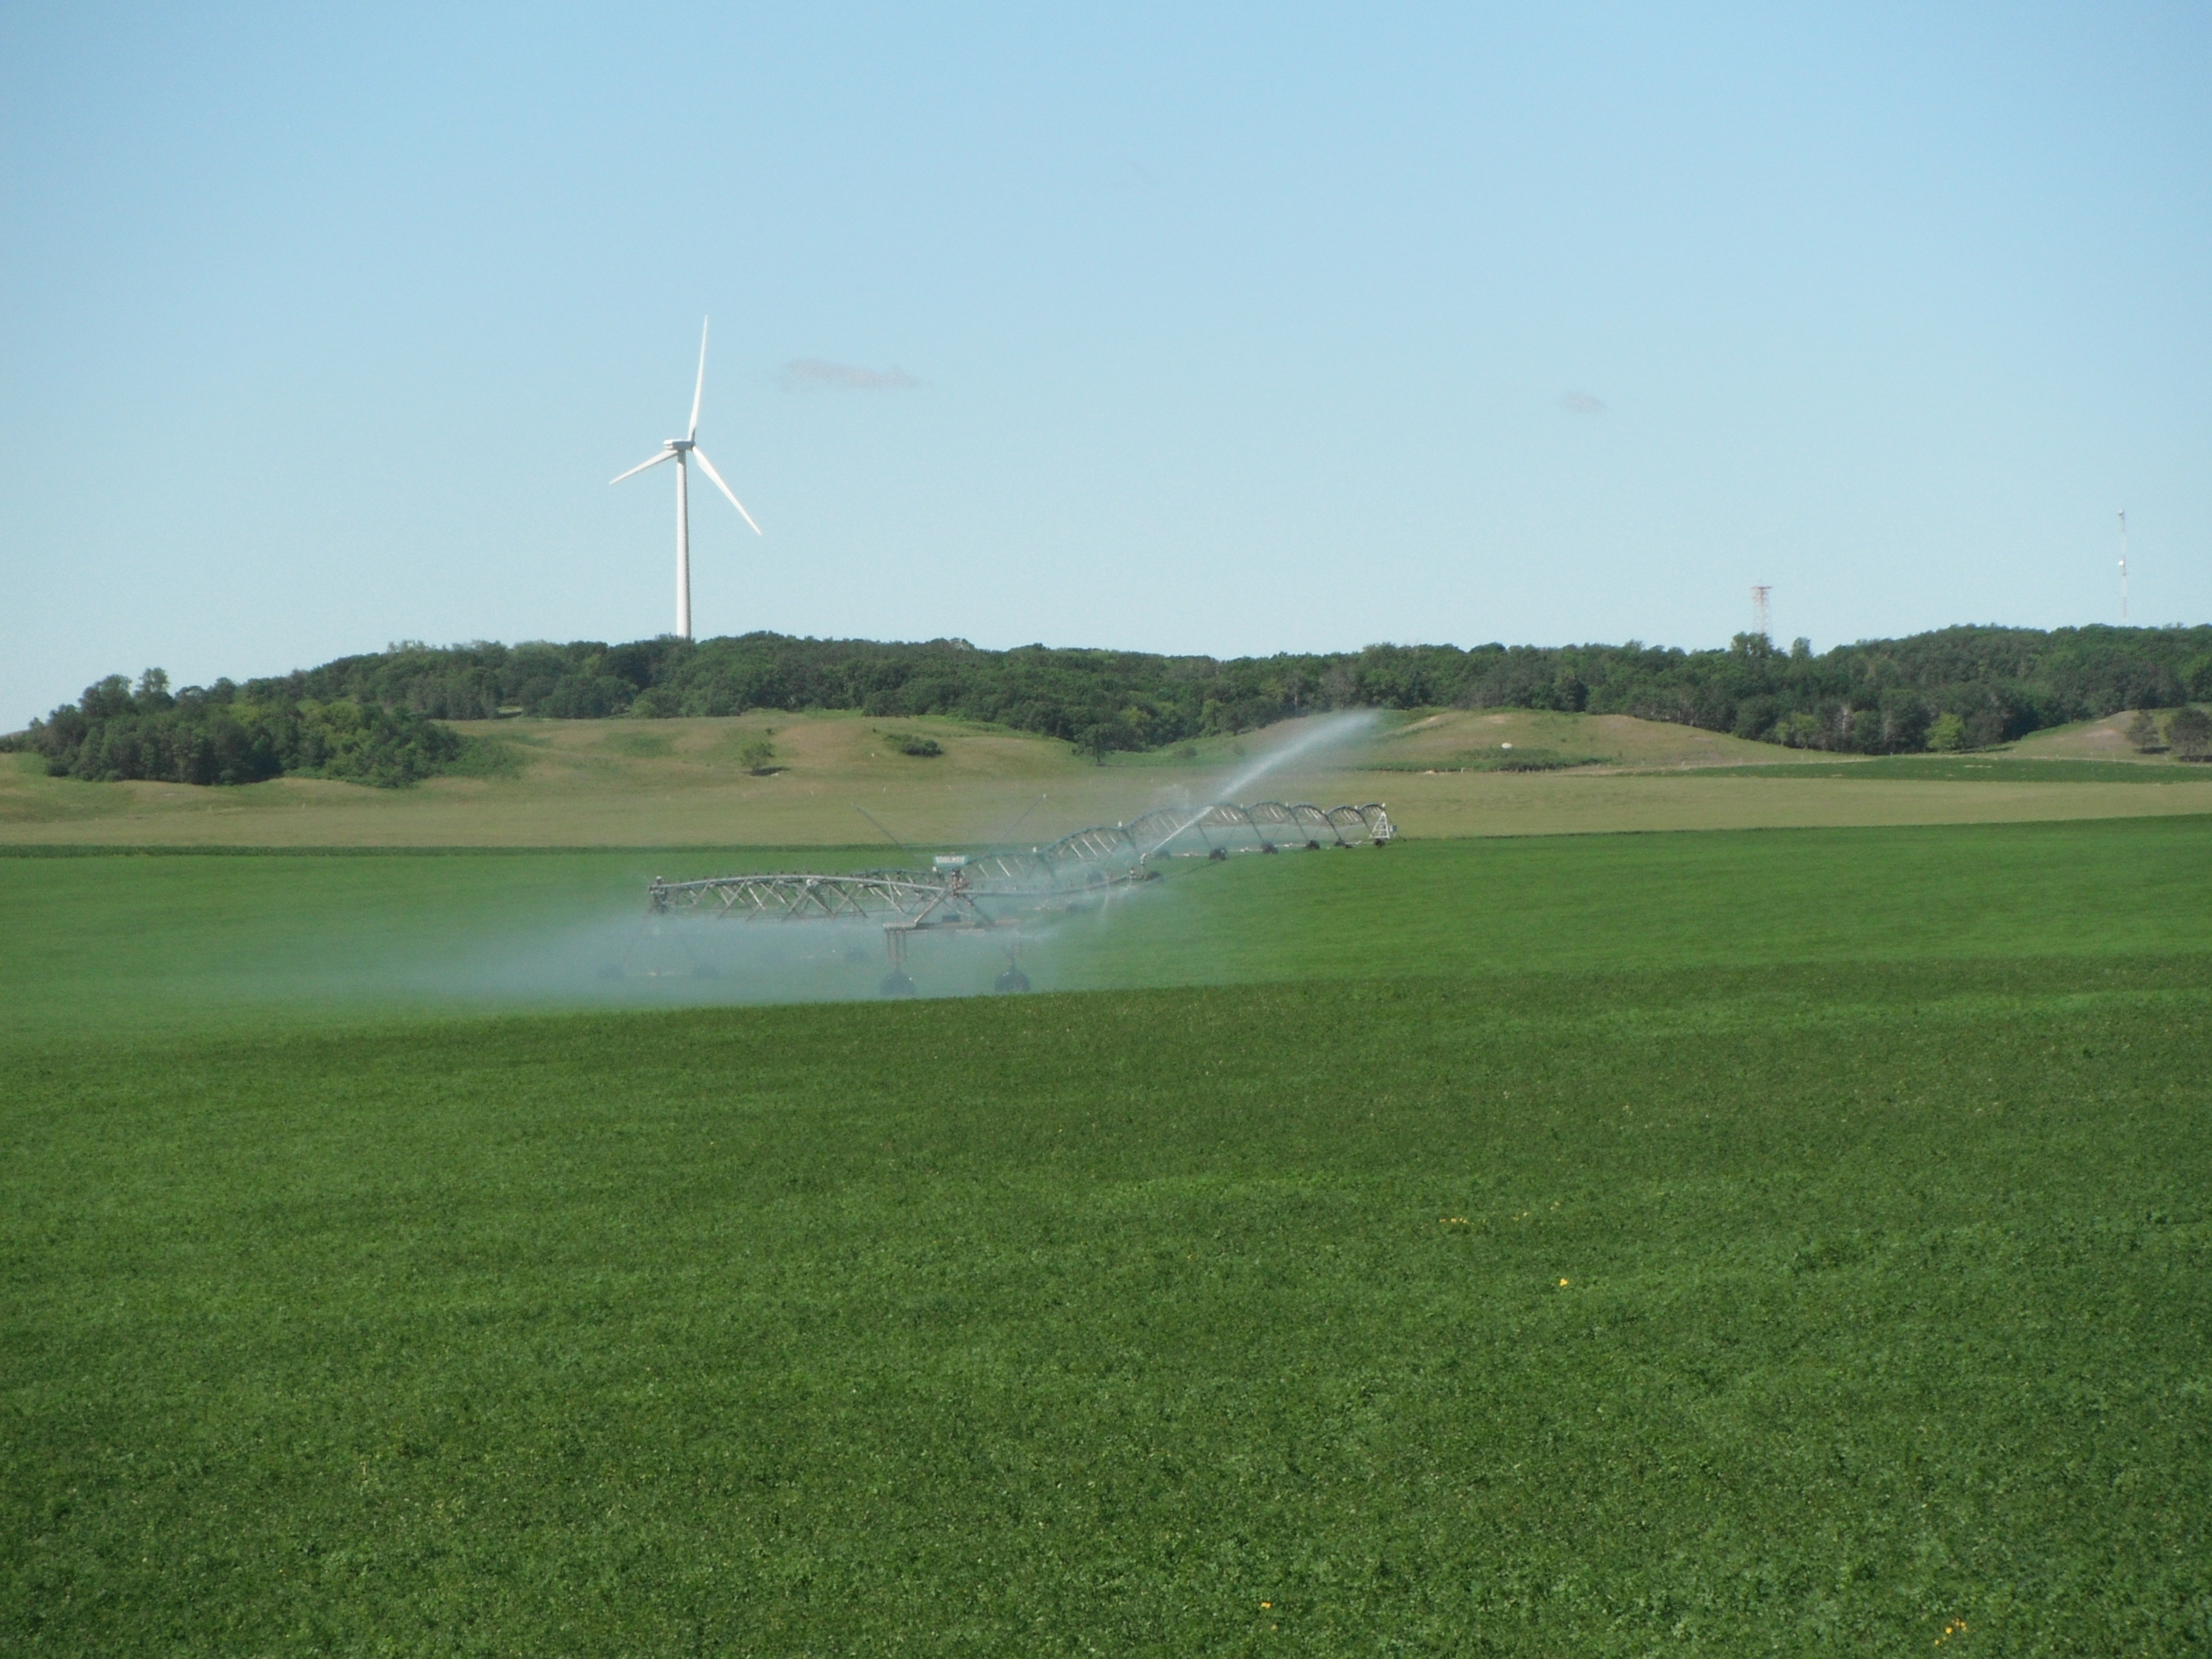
point(1734, 1243)
point(1969, 768)
point(251, 939)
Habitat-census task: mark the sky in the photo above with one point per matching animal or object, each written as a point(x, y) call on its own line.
point(1225, 330)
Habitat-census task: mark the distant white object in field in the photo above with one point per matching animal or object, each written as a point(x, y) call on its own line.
point(684, 451)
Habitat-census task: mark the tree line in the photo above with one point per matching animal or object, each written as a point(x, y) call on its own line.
point(228, 733)
point(1877, 697)
point(375, 717)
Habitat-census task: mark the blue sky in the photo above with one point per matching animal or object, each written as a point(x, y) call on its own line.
point(1225, 331)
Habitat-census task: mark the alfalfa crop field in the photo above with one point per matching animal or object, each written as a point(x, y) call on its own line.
point(1731, 1242)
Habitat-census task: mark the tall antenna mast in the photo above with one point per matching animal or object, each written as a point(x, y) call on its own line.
point(2124, 566)
point(1762, 624)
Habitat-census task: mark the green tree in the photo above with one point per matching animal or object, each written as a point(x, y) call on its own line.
point(2189, 733)
point(1949, 732)
point(2143, 733)
point(756, 755)
point(1800, 731)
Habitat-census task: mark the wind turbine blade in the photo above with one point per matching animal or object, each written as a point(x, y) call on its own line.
point(700, 456)
point(665, 454)
point(700, 390)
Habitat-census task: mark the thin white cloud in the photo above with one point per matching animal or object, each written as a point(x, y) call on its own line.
point(818, 374)
point(1582, 403)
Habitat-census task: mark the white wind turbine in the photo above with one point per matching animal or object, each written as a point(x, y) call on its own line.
point(684, 451)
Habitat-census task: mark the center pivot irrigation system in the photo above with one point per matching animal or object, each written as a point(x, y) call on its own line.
point(999, 893)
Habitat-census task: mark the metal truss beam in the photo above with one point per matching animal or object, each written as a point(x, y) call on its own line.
point(998, 891)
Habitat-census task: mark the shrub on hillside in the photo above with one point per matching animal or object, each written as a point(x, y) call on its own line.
point(2190, 734)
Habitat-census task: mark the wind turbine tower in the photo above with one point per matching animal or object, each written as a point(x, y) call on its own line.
point(684, 451)
point(1762, 621)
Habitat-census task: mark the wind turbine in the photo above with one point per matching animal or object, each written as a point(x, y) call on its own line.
point(684, 451)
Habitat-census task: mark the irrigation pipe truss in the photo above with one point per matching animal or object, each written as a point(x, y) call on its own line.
point(998, 892)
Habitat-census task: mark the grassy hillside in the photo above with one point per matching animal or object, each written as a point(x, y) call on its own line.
point(2089, 740)
point(686, 782)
